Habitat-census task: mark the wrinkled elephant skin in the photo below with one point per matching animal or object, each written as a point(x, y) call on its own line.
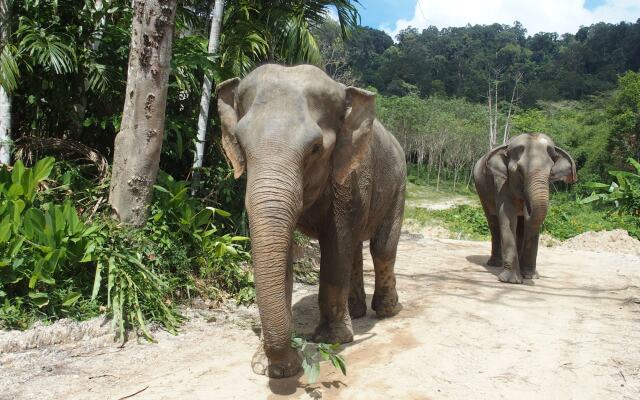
point(512, 181)
point(317, 160)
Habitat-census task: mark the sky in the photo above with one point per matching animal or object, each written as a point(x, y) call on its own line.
point(560, 16)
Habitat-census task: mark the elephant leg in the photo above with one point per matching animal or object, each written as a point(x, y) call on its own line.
point(520, 239)
point(289, 278)
point(530, 255)
point(496, 252)
point(508, 224)
point(336, 258)
point(384, 246)
point(357, 296)
point(496, 257)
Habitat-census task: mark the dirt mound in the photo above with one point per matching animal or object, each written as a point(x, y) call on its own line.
point(616, 241)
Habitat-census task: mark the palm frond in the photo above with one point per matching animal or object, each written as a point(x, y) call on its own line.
point(9, 71)
point(47, 49)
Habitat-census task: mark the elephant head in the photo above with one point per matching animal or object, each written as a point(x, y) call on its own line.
point(294, 131)
point(527, 164)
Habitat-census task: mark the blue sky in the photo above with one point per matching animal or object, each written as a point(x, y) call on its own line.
point(377, 13)
point(536, 15)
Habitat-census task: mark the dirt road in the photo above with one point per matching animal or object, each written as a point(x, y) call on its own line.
point(461, 334)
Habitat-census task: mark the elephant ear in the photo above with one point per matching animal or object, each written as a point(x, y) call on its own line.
point(227, 108)
point(564, 168)
point(497, 162)
point(354, 138)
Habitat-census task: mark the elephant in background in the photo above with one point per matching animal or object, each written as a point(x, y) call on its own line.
point(318, 160)
point(512, 181)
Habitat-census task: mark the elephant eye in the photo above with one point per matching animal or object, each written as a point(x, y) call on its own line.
point(316, 148)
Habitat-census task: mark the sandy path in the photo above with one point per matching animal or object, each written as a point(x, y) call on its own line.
point(461, 334)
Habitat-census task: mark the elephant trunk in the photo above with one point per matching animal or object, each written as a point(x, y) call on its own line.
point(537, 199)
point(273, 200)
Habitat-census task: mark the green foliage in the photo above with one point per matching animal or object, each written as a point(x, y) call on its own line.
point(55, 263)
point(39, 241)
point(565, 219)
point(313, 353)
point(179, 220)
point(624, 115)
point(463, 221)
point(135, 292)
point(623, 194)
point(458, 61)
point(429, 128)
point(581, 128)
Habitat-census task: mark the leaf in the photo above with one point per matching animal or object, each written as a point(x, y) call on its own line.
point(339, 363)
point(15, 246)
point(635, 164)
point(297, 342)
point(161, 189)
point(40, 299)
point(42, 169)
point(5, 230)
point(71, 299)
point(314, 372)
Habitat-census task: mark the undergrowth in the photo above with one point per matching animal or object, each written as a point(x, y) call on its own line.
point(63, 256)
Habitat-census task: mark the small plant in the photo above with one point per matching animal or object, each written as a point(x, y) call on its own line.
point(313, 353)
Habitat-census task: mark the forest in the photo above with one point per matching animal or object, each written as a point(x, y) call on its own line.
point(68, 90)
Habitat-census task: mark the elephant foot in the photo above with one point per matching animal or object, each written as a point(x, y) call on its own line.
point(357, 307)
point(334, 332)
point(494, 262)
point(530, 274)
point(288, 366)
point(385, 303)
point(508, 275)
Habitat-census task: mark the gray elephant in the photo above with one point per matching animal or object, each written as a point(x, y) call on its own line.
point(512, 181)
point(318, 160)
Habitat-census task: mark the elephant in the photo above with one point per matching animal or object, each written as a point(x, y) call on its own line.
point(512, 182)
point(319, 161)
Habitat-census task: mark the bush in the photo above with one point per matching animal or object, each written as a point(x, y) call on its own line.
point(56, 263)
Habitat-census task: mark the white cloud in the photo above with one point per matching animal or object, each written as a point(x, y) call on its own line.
point(560, 16)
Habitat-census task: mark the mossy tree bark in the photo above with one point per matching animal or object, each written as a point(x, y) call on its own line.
point(139, 143)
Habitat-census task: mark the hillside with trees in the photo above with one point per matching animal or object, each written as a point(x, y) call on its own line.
point(476, 86)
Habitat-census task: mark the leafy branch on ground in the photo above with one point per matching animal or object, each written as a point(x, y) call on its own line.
point(312, 353)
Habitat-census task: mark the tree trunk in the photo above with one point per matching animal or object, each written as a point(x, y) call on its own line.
point(205, 100)
point(138, 145)
point(439, 168)
point(5, 127)
point(5, 99)
point(455, 178)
